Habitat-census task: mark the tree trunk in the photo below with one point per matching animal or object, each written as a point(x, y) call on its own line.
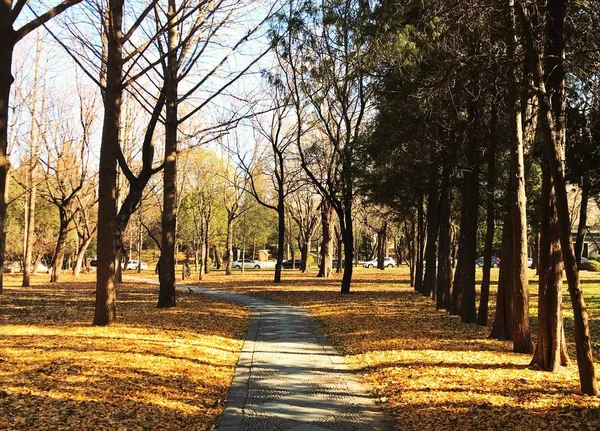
point(59, 253)
point(166, 294)
point(229, 247)
point(554, 134)
point(429, 280)
point(550, 351)
point(80, 256)
point(280, 239)
point(326, 251)
point(521, 332)
point(348, 240)
point(482, 315)
point(444, 279)
point(581, 227)
point(470, 214)
point(7, 35)
point(420, 246)
point(105, 308)
point(304, 249)
point(502, 326)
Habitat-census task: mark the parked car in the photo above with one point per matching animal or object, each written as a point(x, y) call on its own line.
point(248, 264)
point(495, 261)
point(334, 263)
point(13, 267)
point(297, 264)
point(94, 262)
point(133, 264)
point(529, 262)
point(388, 262)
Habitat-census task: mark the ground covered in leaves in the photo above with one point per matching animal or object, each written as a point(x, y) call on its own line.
point(153, 370)
point(429, 370)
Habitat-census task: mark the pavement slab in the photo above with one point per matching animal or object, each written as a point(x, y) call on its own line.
point(289, 377)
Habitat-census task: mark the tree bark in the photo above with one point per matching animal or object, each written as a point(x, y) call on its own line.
point(521, 332)
point(429, 280)
point(420, 245)
point(550, 352)
point(326, 252)
point(444, 278)
point(7, 35)
point(581, 227)
point(468, 228)
point(554, 133)
point(482, 315)
point(229, 247)
point(59, 253)
point(502, 326)
point(166, 294)
point(105, 308)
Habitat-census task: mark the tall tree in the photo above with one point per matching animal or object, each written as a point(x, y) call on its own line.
point(332, 96)
point(11, 14)
point(551, 100)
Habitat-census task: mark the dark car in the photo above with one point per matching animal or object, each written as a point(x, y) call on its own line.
point(287, 264)
point(495, 261)
point(334, 263)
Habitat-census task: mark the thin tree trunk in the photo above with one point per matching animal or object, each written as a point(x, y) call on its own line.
point(229, 247)
point(444, 279)
point(59, 253)
point(32, 192)
point(420, 245)
point(581, 227)
point(521, 332)
point(502, 326)
point(280, 238)
point(482, 315)
point(7, 35)
point(429, 279)
point(327, 241)
point(166, 294)
point(80, 256)
point(105, 308)
point(470, 214)
point(348, 239)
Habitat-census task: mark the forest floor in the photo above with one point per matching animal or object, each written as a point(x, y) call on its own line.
point(429, 370)
point(170, 369)
point(152, 370)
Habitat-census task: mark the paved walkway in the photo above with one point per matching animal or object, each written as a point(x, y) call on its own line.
point(290, 378)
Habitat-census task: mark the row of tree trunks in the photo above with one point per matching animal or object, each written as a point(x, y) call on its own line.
point(551, 100)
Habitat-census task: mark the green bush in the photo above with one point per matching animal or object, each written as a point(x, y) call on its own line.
point(591, 265)
point(595, 257)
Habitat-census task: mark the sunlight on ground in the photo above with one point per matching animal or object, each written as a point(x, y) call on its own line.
point(154, 369)
point(427, 368)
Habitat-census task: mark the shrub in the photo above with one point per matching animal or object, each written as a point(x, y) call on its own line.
point(591, 265)
point(595, 257)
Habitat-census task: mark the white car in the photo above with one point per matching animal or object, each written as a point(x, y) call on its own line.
point(248, 264)
point(388, 262)
point(133, 264)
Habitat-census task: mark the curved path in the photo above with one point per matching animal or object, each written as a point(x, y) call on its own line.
point(289, 377)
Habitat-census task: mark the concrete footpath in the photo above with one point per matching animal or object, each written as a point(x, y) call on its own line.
point(290, 378)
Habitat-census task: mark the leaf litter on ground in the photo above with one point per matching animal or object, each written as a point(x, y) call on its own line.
point(167, 369)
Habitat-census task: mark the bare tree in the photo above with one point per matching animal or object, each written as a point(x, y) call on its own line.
point(320, 60)
point(10, 14)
